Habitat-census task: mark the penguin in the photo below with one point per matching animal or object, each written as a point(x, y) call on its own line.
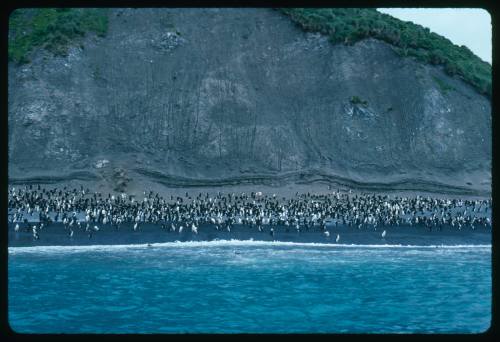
point(35, 233)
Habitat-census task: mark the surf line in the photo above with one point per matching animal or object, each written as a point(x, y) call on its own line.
point(222, 243)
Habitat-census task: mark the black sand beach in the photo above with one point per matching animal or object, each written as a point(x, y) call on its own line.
point(56, 235)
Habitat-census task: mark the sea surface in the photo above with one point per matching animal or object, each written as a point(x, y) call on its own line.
point(249, 287)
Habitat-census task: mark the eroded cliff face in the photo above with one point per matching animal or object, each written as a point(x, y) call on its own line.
point(229, 96)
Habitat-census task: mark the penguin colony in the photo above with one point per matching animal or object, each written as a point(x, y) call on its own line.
point(84, 210)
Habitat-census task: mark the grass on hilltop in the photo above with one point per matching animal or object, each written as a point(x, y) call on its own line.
point(349, 25)
point(51, 28)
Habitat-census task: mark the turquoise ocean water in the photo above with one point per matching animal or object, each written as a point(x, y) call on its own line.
point(249, 287)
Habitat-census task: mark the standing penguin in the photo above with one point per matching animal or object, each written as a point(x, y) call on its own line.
point(35, 233)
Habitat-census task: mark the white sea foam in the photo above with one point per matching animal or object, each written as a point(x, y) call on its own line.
point(221, 243)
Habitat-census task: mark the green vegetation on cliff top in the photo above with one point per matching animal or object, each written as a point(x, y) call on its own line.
point(349, 25)
point(51, 28)
point(55, 28)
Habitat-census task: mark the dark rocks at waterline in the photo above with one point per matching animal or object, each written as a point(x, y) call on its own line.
point(57, 235)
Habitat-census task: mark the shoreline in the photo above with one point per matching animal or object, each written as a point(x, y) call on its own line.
point(287, 190)
point(57, 235)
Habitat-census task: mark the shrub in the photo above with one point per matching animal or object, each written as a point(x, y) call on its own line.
point(356, 100)
point(445, 87)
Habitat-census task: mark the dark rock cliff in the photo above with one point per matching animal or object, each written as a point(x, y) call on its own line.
point(242, 96)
